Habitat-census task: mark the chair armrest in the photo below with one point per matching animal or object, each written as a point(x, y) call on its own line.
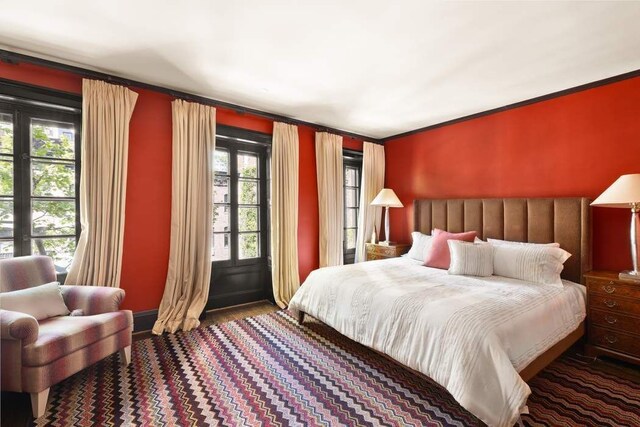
point(18, 326)
point(92, 299)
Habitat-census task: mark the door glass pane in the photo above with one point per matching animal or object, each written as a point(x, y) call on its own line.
point(53, 179)
point(351, 177)
point(6, 177)
point(6, 249)
point(221, 189)
point(51, 218)
point(247, 165)
point(247, 192)
point(52, 139)
point(6, 218)
point(221, 247)
point(352, 218)
point(351, 197)
point(221, 162)
point(6, 133)
point(249, 245)
point(248, 219)
point(60, 249)
point(221, 218)
point(350, 236)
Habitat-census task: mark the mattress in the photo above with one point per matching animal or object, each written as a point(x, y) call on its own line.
point(472, 335)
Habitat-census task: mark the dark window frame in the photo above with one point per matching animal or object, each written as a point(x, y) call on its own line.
point(23, 102)
point(350, 159)
point(236, 141)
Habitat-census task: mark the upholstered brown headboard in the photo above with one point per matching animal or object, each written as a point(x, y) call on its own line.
point(563, 220)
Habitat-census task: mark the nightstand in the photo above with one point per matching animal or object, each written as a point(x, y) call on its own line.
point(375, 251)
point(613, 316)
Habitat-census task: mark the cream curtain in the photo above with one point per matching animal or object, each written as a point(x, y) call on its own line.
point(187, 287)
point(106, 111)
point(330, 197)
point(372, 183)
point(284, 212)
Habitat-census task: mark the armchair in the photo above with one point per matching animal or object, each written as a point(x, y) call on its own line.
point(38, 354)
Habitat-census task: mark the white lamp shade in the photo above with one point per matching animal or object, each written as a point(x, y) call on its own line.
point(620, 194)
point(386, 197)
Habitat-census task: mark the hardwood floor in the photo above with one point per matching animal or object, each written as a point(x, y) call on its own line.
point(15, 408)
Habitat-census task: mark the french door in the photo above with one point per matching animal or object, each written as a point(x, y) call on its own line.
point(240, 272)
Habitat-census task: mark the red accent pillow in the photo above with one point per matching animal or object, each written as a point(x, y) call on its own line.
point(438, 255)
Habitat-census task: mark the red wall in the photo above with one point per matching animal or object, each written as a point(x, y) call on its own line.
point(574, 145)
point(148, 208)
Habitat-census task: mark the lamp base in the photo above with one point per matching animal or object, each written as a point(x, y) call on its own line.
point(629, 275)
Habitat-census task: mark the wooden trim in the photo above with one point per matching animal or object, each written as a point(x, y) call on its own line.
point(553, 353)
point(144, 320)
point(569, 91)
point(15, 58)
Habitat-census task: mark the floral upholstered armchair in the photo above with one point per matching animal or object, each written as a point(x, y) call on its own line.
point(37, 354)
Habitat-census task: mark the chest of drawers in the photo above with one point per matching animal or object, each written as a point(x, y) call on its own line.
point(613, 316)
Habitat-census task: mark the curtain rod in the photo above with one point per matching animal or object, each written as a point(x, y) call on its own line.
point(15, 58)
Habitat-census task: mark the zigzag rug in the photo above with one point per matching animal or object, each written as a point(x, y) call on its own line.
point(268, 370)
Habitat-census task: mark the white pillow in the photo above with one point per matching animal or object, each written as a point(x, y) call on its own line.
point(497, 242)
point(420, 246)
point(471, 259)
point(531, 263)
point(41, 302)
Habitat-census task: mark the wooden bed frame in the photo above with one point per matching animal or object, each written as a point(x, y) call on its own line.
point(536, 220)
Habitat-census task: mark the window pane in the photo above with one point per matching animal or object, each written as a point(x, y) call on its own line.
point(6, 218)
point(6, 133)
point(60, 249)
point(221, 162)
point(6, 177)
point(247, 165)
point(52, 139)
point(221, 218)
point(248, 219)
point(351, 177)
point(221, 248)
point(248, 192)
point(53, 179)
point(352, 218)
point(350, 236)
point(249, 245)
point(6, 249)
point(221, 189)
point(351, 197)
point(51, 218)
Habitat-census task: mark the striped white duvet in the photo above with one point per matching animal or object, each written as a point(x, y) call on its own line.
point(472, 335)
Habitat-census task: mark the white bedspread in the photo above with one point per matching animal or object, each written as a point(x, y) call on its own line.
point(471, 335)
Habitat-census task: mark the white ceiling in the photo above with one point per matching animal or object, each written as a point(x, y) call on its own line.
point(372, 67)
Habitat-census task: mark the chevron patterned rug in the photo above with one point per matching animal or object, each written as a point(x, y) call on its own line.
point(270, 371)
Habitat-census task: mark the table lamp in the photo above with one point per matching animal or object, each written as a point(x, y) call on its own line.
point(387, 198)
point(625, 193)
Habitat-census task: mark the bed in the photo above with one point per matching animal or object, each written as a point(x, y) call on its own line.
point(480, 338)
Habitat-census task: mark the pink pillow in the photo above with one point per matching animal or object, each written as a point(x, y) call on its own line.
point(438, 255)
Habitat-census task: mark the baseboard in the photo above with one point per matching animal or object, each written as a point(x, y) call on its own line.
point(144, 320)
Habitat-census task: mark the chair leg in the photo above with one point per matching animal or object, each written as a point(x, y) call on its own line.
point(125, 355)
point(39, 402)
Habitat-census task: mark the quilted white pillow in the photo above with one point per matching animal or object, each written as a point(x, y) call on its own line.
point(420, 246)
point(41, 302)
point(470, 259)
point(531, 263)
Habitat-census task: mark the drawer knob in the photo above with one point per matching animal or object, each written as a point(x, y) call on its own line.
point(611, 339)
point(610, 319)
point(609, 288)
point(610, 303)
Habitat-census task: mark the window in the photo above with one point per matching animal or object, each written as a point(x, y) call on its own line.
point(39, 177)
point(238, 205)
point(352, 164)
